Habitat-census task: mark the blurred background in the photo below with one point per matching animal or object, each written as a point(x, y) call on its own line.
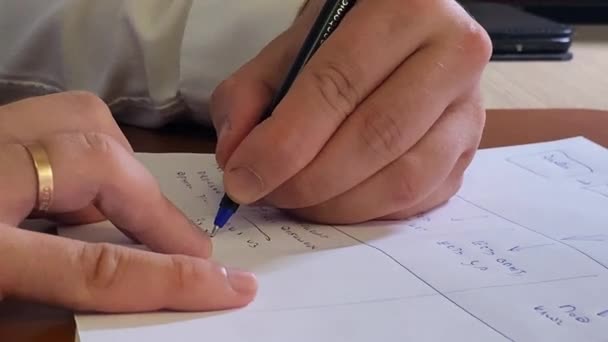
point(567, 11)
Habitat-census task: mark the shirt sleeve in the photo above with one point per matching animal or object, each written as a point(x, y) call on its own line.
point(152, 61)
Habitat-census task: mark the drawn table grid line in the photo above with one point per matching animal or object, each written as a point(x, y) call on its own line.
point(425, 282)
point(523, 284)
point(352, 303)
point(531, 230)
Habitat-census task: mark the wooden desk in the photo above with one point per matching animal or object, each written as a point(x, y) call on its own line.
point(30, 322)
point(579, 83)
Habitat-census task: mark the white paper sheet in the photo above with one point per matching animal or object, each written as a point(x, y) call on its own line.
point(520, 254)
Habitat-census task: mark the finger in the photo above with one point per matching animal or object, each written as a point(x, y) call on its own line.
point(390, 121)
point(18, 183)
point(329, 88)
point(442, 194)
point(71, 111)
point(122, 189)
point(439, 197)
point(109, 278)
point(238, 102)
point(413, 177)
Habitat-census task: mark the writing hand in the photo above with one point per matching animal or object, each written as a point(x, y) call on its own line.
point(93, 168)
point(380, 124)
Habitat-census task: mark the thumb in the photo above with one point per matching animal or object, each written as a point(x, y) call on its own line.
point(239, 101)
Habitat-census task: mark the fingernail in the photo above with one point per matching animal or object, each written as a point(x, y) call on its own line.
point(242, 282)
point(245, 185)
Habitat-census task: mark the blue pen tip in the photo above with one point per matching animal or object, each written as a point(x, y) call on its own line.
point(227, 208)
point(222, 217)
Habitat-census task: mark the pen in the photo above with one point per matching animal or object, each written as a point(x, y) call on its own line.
point(327, 22)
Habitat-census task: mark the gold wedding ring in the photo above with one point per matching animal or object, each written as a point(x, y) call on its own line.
point(44, 174)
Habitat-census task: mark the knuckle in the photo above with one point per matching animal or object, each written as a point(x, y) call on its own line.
point(98, 143)
point(464, 160)
point(336, 88)
point(94, 115)
point(475, 114)
point(220, 100)
point(224, 89)
point(296, 193)
point(102, 264)
point(406, 189)
point(381, 133)
point(404, 192)
point(187, 271)
point(478, 116)
point(302, 194)
point(291, 151)
point(89, 104)
point(453, 184)
point(94, 160)
point(476, 41)
point(457, 184)
point(17, 202)
point(86, 147)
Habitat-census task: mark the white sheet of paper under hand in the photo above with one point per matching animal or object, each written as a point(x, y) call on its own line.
point(520, 254)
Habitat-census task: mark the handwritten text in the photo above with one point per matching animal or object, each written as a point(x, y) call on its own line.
point(204, 177)
point(289, 231)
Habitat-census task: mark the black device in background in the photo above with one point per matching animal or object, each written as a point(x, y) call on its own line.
point(519, 35)
point(587, 12)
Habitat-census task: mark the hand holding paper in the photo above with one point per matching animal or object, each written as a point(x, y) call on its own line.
point(174, 274)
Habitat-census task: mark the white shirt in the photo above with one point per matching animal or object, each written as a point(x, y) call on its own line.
point(150, 60)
